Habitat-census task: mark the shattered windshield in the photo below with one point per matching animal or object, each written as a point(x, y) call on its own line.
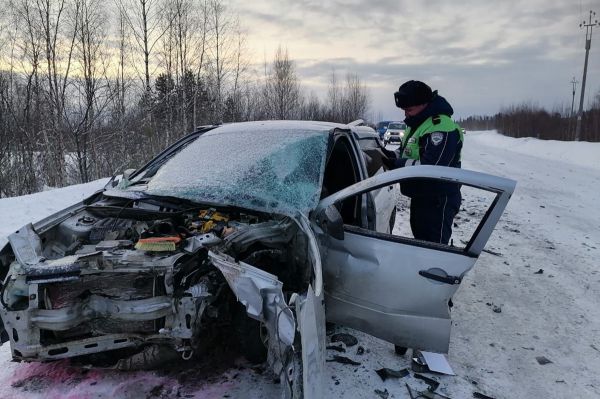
point(275, 170)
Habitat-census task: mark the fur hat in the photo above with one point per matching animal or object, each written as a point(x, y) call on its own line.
point(413, 93)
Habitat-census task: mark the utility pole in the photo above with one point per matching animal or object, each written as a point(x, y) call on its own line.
point(588, 43)
point(572, 114)
point(574, 83)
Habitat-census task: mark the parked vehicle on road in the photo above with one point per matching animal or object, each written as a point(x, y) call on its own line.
point(381, 128)
point(394, 133)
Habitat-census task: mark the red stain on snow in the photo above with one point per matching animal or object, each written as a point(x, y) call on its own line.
point(58, 380)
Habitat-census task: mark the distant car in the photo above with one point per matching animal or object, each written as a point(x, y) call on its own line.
point(394, 133)
point(239, 235)
point(381, 127)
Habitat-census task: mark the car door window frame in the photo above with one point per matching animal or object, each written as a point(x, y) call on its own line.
point(478, 180)
point(345, 138)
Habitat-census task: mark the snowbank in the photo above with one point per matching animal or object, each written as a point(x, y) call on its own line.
point(18, 211)
point(580, 153)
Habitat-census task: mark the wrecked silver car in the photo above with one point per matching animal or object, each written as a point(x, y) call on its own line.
point(248, 242)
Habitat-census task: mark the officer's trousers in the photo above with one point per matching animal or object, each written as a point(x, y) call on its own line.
point(431, 218)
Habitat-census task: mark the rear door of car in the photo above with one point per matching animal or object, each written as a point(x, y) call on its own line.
point(395, 288)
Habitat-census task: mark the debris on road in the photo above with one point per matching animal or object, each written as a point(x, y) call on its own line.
point(497, 309)
point(336, 348)
point(437, 363)
point(433, 384)
point(409, 391)
point(346, 339)
point(386, 373)
point(382, 394)
point(418, 363)
point(343, 360)
point(360, 350)
point(481, 396)
point(541, 271)
point(543, 360)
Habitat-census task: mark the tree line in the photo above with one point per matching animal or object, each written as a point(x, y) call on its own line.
point(529, 120)
point(89, 89)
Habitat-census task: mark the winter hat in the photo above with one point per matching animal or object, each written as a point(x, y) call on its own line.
point(413, 93)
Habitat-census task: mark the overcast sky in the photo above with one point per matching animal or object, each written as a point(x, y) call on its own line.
point(481, 55)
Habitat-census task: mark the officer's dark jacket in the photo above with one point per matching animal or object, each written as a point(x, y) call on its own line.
point(435, 148)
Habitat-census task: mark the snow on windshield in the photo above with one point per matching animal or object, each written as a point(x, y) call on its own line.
point(277, 170)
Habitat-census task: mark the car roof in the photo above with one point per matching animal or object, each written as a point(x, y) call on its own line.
point(308, 126)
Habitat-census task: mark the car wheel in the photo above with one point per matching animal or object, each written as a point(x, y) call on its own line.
point(251, 335)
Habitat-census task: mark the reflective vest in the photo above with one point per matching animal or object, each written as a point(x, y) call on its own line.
point(437, 123)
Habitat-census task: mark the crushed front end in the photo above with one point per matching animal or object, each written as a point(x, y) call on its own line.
point(129, 285)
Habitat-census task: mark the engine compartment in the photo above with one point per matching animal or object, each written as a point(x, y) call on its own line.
point(136, 284)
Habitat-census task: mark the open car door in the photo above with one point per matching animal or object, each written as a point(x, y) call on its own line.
point(396, 288)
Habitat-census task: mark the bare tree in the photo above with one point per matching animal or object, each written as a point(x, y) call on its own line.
point(334, 99)
point(59, 39)
point(143, 19)
point(90, 21)
point(120, 81)
point(237, 95)
point(312, 109)
point(282, 88)
point(202, 27)
point(220, 51)
point(356, 99)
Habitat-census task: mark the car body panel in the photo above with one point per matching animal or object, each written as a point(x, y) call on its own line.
point(311, 322)
point(374, 282)
point(261, 293)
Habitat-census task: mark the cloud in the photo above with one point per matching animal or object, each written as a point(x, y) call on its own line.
point(484, 55)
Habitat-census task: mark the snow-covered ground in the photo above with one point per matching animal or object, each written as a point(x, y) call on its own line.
point(552, 224)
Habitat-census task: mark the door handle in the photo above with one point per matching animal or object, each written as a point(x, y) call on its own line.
point(442, 279)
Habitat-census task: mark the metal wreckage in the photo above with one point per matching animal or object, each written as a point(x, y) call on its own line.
point(167, 262)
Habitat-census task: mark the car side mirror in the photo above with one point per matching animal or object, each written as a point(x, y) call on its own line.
point(127, 173)
point(330, 220)
point(121, 180)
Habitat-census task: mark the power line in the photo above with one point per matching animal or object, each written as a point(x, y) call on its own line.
point(588, 43)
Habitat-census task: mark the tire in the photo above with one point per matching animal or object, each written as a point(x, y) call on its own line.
point(249, 333)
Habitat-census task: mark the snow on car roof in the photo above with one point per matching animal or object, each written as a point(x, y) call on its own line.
point(307, 126)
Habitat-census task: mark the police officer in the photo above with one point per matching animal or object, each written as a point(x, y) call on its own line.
point(432, 138)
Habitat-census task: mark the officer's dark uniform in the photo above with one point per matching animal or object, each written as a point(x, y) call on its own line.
point(432, 138)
